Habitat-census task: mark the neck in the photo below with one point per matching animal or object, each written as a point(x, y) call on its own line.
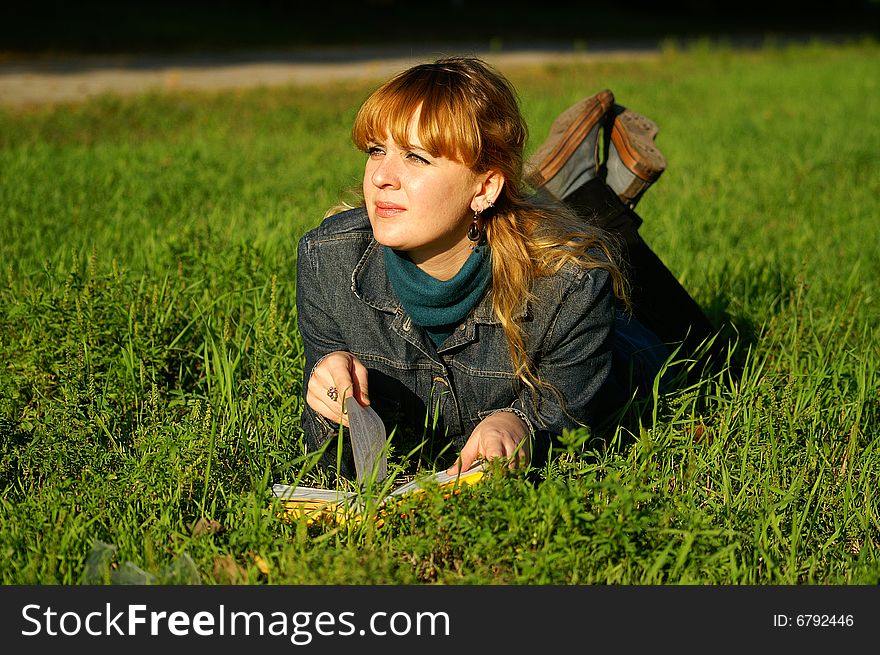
point(442, 265)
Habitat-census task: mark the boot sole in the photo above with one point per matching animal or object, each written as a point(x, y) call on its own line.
point(633, 136)
point(566, 134)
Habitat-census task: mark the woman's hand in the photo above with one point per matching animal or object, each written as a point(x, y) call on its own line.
point(337, 376)
point(502, 434)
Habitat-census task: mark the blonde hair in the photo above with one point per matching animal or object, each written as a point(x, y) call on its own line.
point(470, 113)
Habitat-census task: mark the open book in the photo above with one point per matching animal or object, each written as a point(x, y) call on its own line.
point(317, 504)
point(368, 436)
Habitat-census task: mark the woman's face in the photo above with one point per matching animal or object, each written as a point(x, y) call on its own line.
point(418, 203)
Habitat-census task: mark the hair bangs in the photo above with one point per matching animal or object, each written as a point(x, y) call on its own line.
point(446, 126)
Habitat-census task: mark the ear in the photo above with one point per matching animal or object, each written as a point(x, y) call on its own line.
point(490, 188)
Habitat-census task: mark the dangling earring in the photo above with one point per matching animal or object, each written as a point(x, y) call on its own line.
point(474, 232)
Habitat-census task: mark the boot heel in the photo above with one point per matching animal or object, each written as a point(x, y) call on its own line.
point(634, 162)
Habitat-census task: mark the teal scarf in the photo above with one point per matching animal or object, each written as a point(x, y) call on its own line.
point(435, 305)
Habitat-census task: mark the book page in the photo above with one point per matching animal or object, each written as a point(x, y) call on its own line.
point(315, 497)
point(443, 478)
point(286, 492)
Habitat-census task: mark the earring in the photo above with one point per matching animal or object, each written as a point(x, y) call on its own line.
point(474, 230)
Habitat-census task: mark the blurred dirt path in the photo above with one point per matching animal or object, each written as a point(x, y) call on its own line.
point(44, 81)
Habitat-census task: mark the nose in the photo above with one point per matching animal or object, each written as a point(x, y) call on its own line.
point(385, 173)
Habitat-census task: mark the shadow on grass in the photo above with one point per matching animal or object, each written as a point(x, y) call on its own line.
point(716, 367)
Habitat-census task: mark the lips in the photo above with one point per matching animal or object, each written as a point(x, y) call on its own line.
point(388, 209)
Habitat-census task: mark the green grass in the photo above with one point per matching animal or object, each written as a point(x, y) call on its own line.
point(150, 366)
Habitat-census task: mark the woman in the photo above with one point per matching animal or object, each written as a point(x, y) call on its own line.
point(470, 313)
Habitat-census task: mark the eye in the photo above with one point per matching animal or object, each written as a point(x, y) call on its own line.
point(375, 151)
point(416, 158)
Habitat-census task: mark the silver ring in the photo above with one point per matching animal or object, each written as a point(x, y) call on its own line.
point(332, 394)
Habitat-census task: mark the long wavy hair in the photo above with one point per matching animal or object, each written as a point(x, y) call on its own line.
point(470, 113)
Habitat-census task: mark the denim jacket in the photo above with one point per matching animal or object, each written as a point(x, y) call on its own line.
point(345, 302)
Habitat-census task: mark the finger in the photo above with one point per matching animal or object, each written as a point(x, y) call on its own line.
point(359, 378)
point(316, 395)
point(324, 395)
point(467, 456)
point(520, 455)
point(526, 450)
point(456, 468)
point(493, 450)
point(339, 370)
point(318, 400)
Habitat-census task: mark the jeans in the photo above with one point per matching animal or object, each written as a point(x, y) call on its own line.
point(659, 302)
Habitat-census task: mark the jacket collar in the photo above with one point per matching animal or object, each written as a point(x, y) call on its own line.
point(370, 283)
